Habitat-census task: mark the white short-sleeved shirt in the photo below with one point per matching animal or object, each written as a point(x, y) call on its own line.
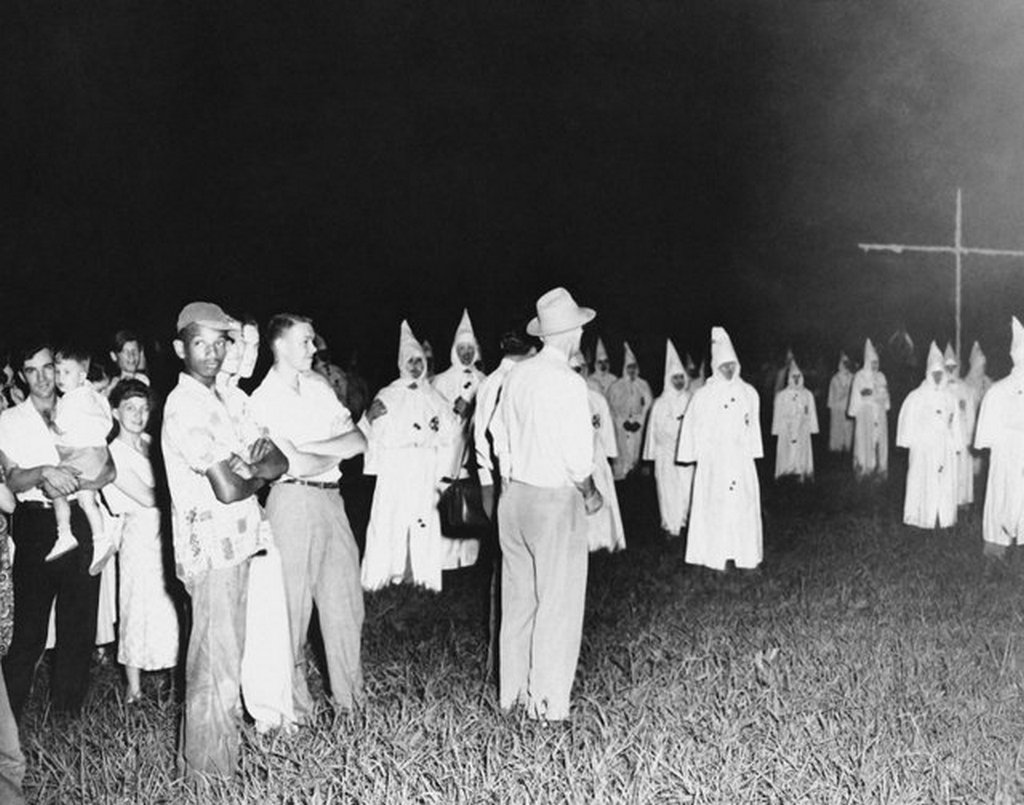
point(542, 429)
point(202, 427)
point(311, 414)
point(27, 441)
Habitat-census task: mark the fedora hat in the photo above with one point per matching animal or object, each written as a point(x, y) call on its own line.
point(557, 312)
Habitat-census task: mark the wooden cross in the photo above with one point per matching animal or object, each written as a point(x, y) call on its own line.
point(958, 250)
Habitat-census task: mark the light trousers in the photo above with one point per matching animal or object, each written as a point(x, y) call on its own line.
point(212, 719)
point(320, 561)
point(544, 585)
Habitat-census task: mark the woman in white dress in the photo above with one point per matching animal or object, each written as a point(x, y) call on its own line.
point(148, 622)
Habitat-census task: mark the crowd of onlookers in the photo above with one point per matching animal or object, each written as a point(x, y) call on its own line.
point(164, 517)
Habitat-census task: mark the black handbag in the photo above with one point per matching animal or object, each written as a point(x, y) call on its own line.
point(461, 505)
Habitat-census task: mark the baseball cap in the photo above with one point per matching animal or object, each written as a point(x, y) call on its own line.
point(207, 314)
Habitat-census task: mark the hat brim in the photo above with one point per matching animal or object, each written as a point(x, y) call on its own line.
point(582, 316)
point(224, 325)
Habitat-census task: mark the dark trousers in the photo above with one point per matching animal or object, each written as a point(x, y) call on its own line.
point(36, 583)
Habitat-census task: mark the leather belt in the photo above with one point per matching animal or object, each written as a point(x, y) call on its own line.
point(37, 504)
point(313, 484)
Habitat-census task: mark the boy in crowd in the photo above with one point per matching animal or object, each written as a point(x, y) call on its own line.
point(82, 421)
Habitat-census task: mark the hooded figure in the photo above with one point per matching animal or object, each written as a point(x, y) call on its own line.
point(929, 426)
point(782, 374)
point(673, 481)
point(1001, 430)
point(696, 375)
point(840, 426)
point(967, 414)
point(869, 404)
point(604, 529)
point(403, 538)
point(458, 384)
point(630, 399)
point(601, 378)
point(722, 433)
point(980, 384)
point(794, 421)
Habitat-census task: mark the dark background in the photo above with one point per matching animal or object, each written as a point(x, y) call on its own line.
point(675, 164)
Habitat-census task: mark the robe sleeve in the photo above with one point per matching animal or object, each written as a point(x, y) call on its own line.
point(778, 415)
point(987, 430)
point(607, 427)
point(688, 450)
point(905, 431)
point(812, 414)
point(853, 408)
point(754, 443)
point(653, 427)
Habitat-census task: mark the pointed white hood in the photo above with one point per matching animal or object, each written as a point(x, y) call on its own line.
point(794, 377)
point(1017, 344)
point(629, 358)
point(600, 353)
point(936, 361)
point(464, 335)
point(673, 366)
point(408, 347)
point(950, 360)
point(869, 354)
point(722, 350)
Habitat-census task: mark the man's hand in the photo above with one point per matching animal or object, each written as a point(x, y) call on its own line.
point(260, 448)
point(487, 499)
point(239, 467)
point(376, 410)
point(59, 482)
point(593, 502)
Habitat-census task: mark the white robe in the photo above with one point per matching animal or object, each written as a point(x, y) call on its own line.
point(1001, 430)
point(979, 383)
point(406, 454)
point(794, 420)
point(968, 414)
point(840, 426)
point(722, 433)
point(674, 481)
point(929, 426)
point(604, 528)
point(630, 402)
point(454, 382)
point(871, 423)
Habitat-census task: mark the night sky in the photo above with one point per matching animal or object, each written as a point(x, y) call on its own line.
point(675, 164)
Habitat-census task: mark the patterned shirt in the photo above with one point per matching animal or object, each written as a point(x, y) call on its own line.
point(202, 427)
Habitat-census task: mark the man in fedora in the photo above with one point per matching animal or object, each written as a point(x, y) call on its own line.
point(544, 445)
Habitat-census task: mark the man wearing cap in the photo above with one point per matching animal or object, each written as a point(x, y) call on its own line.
point(544, 444)
point(318, 552)
point(29, 457)
point(216, 459)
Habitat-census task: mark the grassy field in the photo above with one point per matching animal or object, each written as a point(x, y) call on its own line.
point(865, 662)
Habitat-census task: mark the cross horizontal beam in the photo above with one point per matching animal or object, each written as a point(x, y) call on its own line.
point(899, 248)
